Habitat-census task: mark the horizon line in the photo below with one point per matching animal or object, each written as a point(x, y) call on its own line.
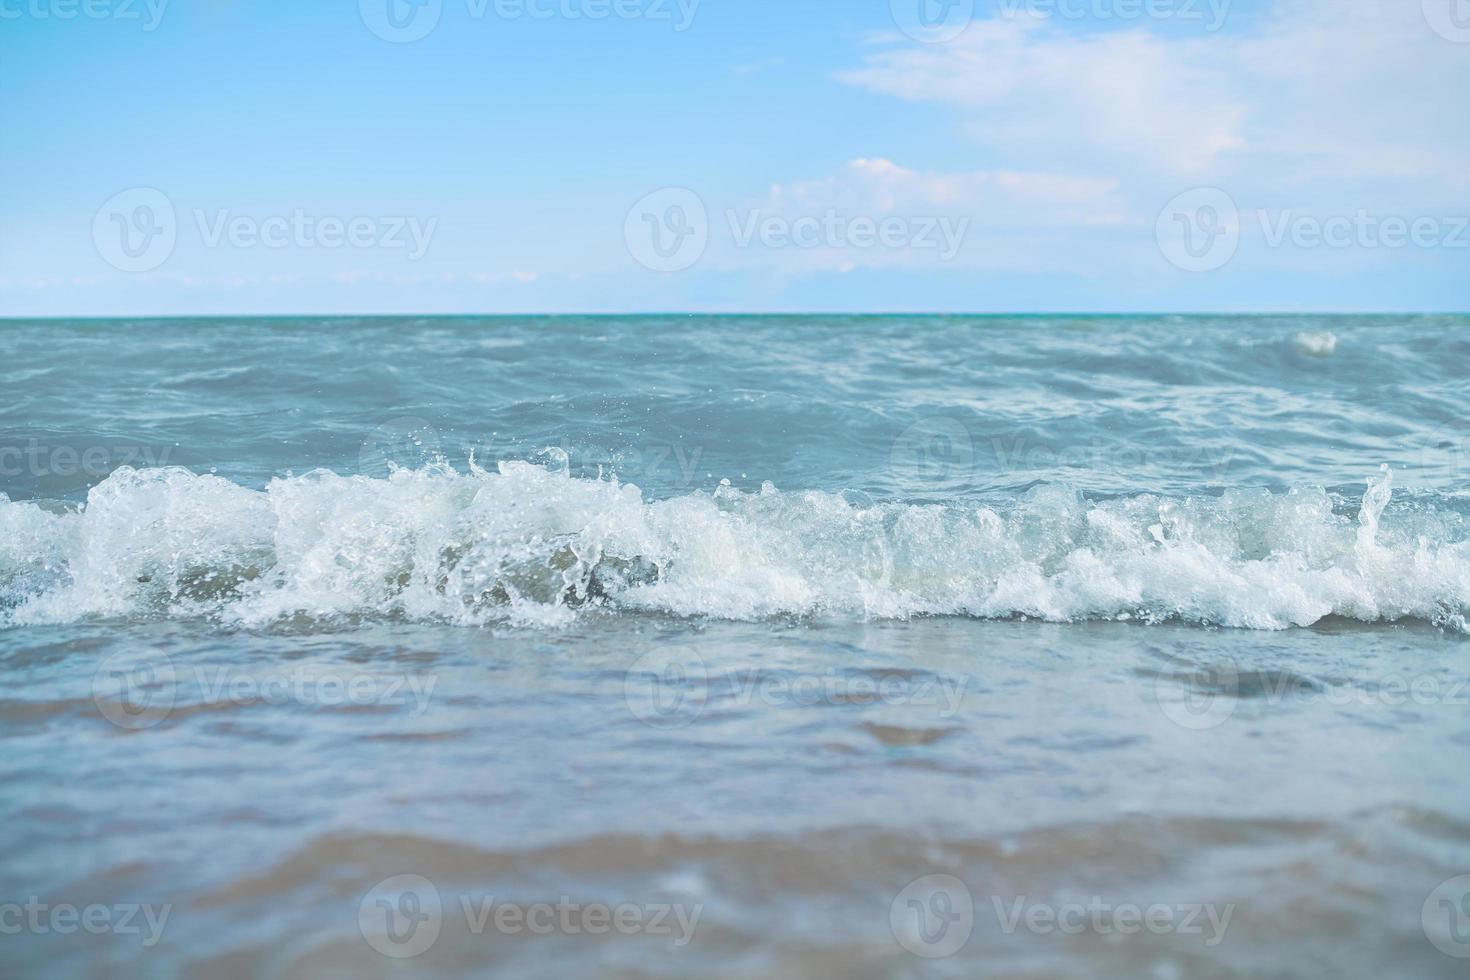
point(11, 318)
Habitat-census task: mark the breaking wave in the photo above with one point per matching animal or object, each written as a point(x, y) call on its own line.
point(525, 545)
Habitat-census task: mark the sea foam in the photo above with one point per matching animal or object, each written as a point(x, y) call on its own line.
point(527, 546)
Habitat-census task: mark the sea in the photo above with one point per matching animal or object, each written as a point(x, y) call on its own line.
point(735, 646)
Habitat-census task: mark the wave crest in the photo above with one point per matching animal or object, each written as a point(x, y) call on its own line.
point(526, 546)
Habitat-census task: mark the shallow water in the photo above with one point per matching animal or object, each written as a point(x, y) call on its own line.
point(1086, 615)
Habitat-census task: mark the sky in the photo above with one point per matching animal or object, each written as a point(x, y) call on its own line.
point(234, 157)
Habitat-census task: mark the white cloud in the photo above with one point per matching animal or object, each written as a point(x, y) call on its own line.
point(1000, 219)
point(1355, 91)
point(1360, 91)
point(1033, 90)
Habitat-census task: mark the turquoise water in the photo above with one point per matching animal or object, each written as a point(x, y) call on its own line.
point(763, 617)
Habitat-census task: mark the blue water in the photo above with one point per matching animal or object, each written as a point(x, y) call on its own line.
point(1212, 471)
point(1166, 609)
point(1110, 404)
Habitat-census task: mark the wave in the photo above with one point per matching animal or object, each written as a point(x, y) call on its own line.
point(526, 545)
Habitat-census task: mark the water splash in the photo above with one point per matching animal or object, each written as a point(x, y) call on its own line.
point(532, 546)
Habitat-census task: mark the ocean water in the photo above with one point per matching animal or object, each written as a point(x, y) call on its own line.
point(790, 646)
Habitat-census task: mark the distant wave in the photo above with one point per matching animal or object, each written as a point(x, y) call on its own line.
point(1319, 343)
point(526, 546)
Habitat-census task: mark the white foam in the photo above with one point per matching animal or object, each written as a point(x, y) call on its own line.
point(528, 546)
point(1321, 343)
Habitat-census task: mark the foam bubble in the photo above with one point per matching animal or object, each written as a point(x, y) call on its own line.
point(531, 546)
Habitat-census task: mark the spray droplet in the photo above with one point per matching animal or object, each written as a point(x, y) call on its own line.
point(553, 459)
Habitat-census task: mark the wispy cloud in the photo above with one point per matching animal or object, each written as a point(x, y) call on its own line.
point(1316, 90)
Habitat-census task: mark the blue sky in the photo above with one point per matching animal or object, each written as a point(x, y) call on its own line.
point(243, 157)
